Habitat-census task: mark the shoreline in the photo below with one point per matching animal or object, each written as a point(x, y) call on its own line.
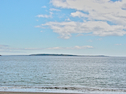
point(9, 92)
point(19, 92)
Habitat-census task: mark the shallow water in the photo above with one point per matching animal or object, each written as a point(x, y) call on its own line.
point(62, 73)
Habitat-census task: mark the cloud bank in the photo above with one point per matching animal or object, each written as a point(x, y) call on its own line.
point(99, 28)
point(71, 48)
point(6, 48)
point(100, 18)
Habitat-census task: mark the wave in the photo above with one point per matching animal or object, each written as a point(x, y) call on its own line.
point(79, 89)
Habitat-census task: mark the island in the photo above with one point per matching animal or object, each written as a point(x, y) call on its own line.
point(0, 55)
point(67, 55)
point(51, 55)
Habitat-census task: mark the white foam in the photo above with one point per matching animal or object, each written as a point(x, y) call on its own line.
point(60, 90)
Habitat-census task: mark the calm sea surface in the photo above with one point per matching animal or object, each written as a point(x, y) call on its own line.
point(63, 74)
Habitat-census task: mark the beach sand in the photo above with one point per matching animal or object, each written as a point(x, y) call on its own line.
point(38, 93)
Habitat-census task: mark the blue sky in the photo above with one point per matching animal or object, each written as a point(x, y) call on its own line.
point(83, 27)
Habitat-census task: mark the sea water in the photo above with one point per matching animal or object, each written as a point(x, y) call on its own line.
point(106, 75)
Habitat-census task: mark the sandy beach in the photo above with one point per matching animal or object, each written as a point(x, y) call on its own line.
point(37, 93)
point(32, 93)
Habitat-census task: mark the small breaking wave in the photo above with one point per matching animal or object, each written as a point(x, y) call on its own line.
point(55, 88)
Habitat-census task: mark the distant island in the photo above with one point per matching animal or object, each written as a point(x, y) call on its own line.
point(51, 55)
point(0, 55)
point(67, 55)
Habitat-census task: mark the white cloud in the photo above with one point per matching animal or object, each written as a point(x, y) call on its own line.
point(44, 7)
point(96, 9)
point(45, 16)
point(55, 48)
point(82, 47)
point(71, 48)
point(80, 34)
point(68, 19)
point(78, 14)
point(99, 28)
point(53, 9)
point(8, 49)
point(98, 13)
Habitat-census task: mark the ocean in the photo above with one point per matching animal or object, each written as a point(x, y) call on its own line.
point(106, 75)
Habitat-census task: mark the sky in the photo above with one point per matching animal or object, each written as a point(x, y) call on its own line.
point(81, 27)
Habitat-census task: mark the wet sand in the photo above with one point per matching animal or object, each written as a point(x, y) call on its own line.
point(38, 93)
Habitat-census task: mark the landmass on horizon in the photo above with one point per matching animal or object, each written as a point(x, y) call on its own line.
point(67, 55)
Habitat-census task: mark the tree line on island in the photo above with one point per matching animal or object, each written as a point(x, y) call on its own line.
point(67, 55)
